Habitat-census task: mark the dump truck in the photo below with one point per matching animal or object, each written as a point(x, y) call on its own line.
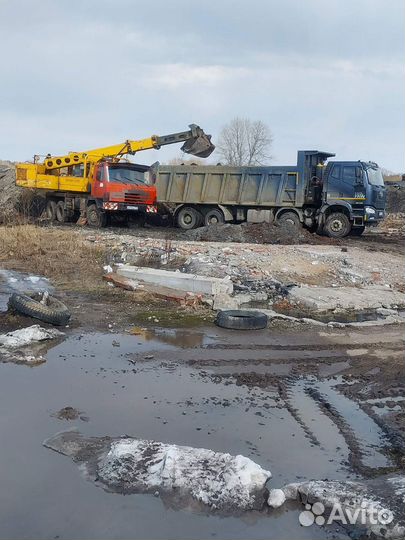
point(331, 197)
point(97, 184)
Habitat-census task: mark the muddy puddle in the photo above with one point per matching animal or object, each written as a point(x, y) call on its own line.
point(141, 384)
point(335, 422)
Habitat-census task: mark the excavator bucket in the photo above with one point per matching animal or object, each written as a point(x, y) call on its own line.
point(199, 144)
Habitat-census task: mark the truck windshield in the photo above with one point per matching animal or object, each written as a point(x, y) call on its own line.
point(375, 178)
point(124, 175)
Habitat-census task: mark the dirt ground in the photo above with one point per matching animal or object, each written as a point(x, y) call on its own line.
point(304, 400)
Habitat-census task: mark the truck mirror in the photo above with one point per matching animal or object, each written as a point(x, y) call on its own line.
point(359, 175)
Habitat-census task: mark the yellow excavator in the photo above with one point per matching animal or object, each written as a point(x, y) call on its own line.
point(97, 182)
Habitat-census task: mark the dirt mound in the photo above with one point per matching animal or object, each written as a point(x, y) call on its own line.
point(396, 199)
point(17, 204)
point(254, 233)
point(9, 193)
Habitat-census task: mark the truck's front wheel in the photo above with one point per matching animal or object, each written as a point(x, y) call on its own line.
point(95, 217)
point(337, 225)
point(188, 218)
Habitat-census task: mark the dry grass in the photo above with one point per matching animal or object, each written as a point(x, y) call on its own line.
point(60, 255)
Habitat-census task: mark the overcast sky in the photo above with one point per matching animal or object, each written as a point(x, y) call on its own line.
point(323, 74)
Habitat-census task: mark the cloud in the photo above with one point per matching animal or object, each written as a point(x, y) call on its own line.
point(321, 74)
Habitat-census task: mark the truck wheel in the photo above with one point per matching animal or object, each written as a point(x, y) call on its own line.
point(189, 218)
point(213, 217)
point(95, 217)
point(50, 210)
point(357, 231)
point(60, 212)
point(289, 218)
point(337, 225)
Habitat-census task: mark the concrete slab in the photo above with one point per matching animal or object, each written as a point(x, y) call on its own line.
point(177, 280)
point(167, 293)
point(347, 298)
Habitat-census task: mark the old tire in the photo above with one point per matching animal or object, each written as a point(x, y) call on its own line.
point(50, 210)
point(60, 212)
point(95, 216)
point(188, 218)
point(55, 312)
point(238, 319)
point(337, 225)
point(290, 219)
point(357, 231)
point(214, 216)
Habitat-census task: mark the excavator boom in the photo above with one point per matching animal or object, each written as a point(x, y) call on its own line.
point(196, 142)
point(91, 173)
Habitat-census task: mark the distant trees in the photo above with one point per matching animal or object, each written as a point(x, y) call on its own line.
point(244, 142)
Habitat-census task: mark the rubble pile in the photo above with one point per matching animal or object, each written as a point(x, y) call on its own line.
point(262, 276)
point(396, 199)
point(257, 267)
point(255, 233)
point(394, 225)
point(16, 202)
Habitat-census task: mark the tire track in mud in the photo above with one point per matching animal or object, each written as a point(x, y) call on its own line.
point(304, 347)
point(325, 413)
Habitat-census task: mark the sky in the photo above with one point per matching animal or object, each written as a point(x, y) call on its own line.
point(322, 74)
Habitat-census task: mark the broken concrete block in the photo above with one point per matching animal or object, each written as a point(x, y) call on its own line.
point(120, 281)
point(177, 280)
point(224, 301)
point(345, 298)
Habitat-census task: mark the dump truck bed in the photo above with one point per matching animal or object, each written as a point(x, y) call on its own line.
point(244, 186)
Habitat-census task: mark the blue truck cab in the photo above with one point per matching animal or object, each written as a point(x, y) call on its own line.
point(345, 196)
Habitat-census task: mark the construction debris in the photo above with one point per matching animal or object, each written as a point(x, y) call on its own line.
point(322, 299)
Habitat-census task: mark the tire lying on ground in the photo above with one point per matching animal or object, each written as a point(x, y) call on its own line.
point(54, 312)
point(238, 319)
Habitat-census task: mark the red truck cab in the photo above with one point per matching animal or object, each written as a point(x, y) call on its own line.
point(123, 187)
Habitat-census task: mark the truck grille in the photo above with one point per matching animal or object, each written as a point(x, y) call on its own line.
point(135, 197)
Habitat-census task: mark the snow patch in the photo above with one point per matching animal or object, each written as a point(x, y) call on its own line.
point(212, 478)
point(34, 279)
point(276, 498)
point(26, 336)
point(381, 496)
point(399, 485)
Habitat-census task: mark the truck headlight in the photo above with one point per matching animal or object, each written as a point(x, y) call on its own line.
point(369, 210)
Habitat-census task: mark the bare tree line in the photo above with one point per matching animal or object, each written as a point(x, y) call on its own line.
point(245, 142)
point(241, 142)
